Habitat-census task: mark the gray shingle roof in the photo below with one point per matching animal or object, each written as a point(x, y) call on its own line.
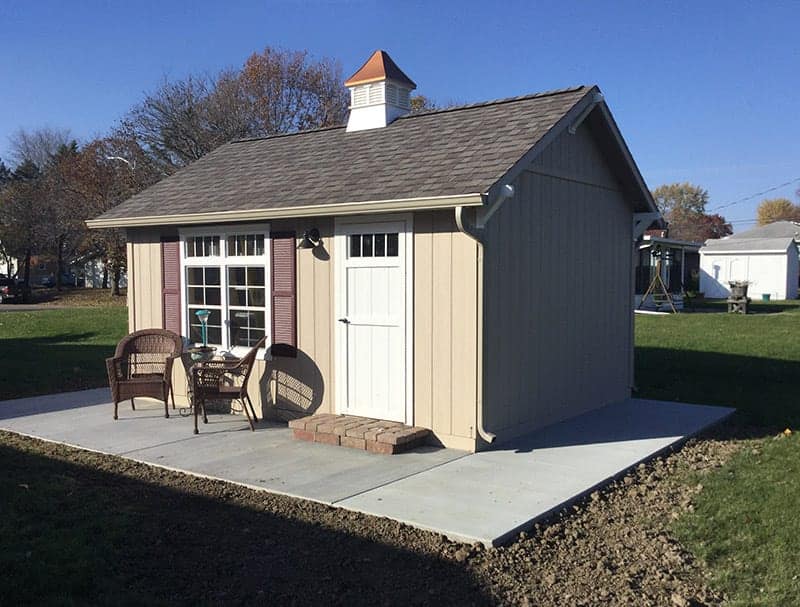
point(450, 152)
point(771, 237)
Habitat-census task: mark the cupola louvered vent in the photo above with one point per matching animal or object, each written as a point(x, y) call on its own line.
point(376, 93)
point(359, 96)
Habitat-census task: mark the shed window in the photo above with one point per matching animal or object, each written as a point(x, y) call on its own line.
point(374, 245)
point(227, 273)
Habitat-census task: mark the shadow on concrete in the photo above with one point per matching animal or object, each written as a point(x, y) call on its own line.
point(175, 539)
point(628, 421)
point(50, 403)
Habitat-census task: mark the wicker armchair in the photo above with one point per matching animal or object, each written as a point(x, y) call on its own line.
point(142, 366)
point(224, 379)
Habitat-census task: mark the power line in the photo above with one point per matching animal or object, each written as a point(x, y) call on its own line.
point(751, 196)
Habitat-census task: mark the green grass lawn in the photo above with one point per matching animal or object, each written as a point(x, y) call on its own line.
point(50, 351)
point(749, 362)
point(745, 525)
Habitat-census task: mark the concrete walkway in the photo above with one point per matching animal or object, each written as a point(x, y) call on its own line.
point(486, 497)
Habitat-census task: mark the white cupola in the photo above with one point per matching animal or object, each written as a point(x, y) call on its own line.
point(379, 93)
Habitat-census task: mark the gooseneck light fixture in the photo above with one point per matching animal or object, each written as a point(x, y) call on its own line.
point(311, 239)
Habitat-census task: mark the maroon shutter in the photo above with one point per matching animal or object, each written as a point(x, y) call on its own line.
point(171, 284)
point(284, 294)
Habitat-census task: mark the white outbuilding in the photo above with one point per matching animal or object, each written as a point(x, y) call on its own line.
point(766, 257)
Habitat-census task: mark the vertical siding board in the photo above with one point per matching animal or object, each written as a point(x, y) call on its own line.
point(132, 274)
point(464, 289)
point(323, 311)
point(423, 319)
point(441, 363)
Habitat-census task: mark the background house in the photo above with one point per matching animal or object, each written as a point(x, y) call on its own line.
point(408, 267)
point(766, 257)
point(680, 266)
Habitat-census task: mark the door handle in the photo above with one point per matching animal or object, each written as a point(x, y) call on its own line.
point(344, 320)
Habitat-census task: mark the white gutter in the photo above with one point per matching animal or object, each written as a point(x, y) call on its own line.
point(342, 208)
point(489, 437)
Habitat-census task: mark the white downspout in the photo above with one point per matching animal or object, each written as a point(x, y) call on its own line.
point(487, 436)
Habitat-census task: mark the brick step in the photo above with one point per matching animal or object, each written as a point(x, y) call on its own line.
point(373, 435)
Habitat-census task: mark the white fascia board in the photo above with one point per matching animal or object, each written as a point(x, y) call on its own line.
point(754, 252)
point(336, 209)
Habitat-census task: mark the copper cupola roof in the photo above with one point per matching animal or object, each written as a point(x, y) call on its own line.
point(379, 67)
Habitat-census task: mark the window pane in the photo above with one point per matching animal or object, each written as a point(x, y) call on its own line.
point(196, 295)
point(212, 276)
point(256, 297)
point(260, 244)
point(214, 326)
point(391, 245)
point(366, 245)
point(236, 276)
point(237, 296)
point(246, 327)
point(255, 276)
point(212, 296)
point(215, 335)
point(195, 276)
point(380, 245)
point(355, 245)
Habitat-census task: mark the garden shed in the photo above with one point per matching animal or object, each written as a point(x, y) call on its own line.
point(467, 270)
point(766, 257)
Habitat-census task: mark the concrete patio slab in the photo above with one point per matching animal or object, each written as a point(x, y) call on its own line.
point(490, 496)
point(486, 497)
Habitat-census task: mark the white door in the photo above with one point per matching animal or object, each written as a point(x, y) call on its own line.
point(372, 313)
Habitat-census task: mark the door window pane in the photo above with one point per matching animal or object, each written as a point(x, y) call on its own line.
point(392, 245)
point(366, 245)
point(355, 245)
point(380, 245)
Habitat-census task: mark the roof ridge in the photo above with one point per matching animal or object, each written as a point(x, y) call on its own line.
point(467, 106)
point(300, 132)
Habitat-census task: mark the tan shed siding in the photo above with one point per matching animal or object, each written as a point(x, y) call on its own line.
point(557, 284)
point(144, 279)
point(305, 384)
point(445, 328)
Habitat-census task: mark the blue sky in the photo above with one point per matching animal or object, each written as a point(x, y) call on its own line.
point(705, 92)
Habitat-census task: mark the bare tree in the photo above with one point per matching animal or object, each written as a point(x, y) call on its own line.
point(287, 91)
point(276, 91)
point(38, 146)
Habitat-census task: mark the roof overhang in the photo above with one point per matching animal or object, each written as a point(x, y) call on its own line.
point(688, 244)
point(592, 108)
point(704, 251)
point(333, 209)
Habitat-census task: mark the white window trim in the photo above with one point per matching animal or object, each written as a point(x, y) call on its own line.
point(223, 261)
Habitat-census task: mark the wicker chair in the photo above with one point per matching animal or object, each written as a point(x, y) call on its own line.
point(142, 366)
point(224, 379)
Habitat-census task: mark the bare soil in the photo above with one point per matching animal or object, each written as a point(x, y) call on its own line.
point(210, 542)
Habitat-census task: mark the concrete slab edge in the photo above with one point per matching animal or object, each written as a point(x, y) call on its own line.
point(544, 516)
